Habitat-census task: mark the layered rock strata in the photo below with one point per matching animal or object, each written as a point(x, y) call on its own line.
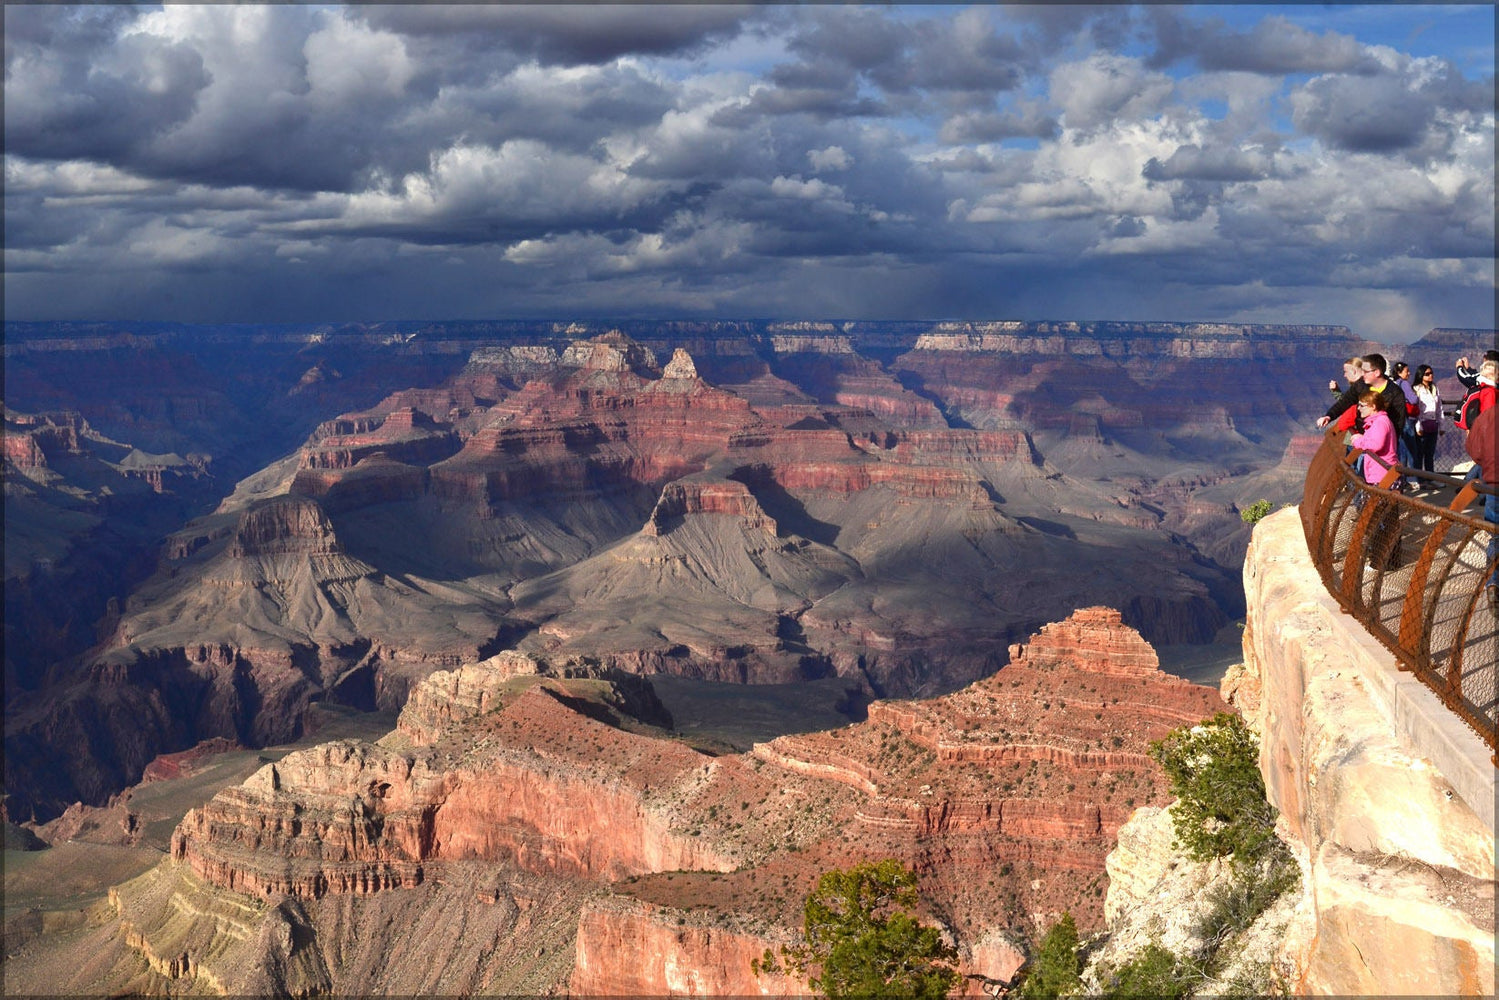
point(1004, 797)
point(907, 473)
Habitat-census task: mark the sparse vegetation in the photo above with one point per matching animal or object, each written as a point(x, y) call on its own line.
point(1057, 969)
point(1255, 511)
point(1153, 973)
point(861, 938)
point(1220, 812)
point(1221, 809)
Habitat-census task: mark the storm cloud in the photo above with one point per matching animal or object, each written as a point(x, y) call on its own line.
point(286, 162)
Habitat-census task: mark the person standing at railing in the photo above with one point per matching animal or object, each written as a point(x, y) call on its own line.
point(1429, 421)
point(1400, 373)
point(1482, 396)
point(1467, 374)
point(1377, 439)
point(1352, 368)
point(1372, 376)
point(1483, 446)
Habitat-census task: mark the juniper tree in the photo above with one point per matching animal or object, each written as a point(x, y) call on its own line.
point(861, 938)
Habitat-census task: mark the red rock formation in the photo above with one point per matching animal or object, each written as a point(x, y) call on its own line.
point(170, 766)
point(346, 817)
point(635, 949)
point(1004, 797)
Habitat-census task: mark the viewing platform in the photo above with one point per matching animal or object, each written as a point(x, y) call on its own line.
point(1386, 795)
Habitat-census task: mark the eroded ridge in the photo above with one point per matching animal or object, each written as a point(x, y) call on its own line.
point(1005, 797)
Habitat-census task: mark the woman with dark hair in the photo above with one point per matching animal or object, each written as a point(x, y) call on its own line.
point(1429, 420)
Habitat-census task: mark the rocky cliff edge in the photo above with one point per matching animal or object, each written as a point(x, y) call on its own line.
point(1398, 886)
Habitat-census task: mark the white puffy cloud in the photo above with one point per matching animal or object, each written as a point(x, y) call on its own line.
point(1105, 87)
point(346, 60)
point(831, 158)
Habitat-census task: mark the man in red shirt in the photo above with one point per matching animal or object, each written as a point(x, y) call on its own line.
point(1483, 446)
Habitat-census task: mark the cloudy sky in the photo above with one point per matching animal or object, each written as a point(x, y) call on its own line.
point(265, 163)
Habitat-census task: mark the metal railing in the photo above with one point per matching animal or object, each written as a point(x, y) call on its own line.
point(1412, 567)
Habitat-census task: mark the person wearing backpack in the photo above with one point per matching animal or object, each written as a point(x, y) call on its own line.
point(1475, 403)
point(1467, 374)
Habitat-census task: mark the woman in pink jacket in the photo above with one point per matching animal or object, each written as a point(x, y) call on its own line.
point(1377, 438)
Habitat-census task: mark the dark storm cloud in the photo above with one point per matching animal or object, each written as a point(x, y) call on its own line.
point(1050, 26)
point(1273, 46)
point(1215, 164)
point(1410, 110)
point(1362, 115)
point(76, 91)
point(571, 113)
point(962, 54)
point(990, 126)
point(425, 160)
point(569, 33)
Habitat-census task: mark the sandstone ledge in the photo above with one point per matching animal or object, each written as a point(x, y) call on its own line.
point(1378, 785)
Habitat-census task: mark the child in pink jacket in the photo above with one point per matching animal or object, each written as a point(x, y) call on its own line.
point(1377, 440)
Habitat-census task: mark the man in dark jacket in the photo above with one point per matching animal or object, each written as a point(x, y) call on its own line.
point(1372, 377)
point(1468, 375)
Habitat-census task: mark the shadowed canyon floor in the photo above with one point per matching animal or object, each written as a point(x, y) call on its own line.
point(521, 831)
point(888, 507)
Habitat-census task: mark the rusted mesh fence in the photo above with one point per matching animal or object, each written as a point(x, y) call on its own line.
point(1413, 569)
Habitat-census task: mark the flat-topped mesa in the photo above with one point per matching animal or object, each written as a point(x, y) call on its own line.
point(339, 817)
point(531, 782)
point(1094, 640)
point(929, 447)
point(448, 697)
point(377, 478)
point(406, 434)
point(688, 497)
point(30, 439)
point(612, 352)
point(282, 526)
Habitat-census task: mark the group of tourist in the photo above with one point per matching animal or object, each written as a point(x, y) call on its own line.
point(1394, 419)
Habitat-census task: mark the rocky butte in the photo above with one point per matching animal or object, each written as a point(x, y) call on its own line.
point(539, 832)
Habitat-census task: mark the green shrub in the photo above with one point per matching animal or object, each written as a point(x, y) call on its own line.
point(1154, 973)
point(1221, 809)
point(1236, 904)
point(1057, 969)
point(1255, 511)
point(861, 938)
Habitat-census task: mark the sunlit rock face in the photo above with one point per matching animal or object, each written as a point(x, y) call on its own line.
point(1399, 888)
